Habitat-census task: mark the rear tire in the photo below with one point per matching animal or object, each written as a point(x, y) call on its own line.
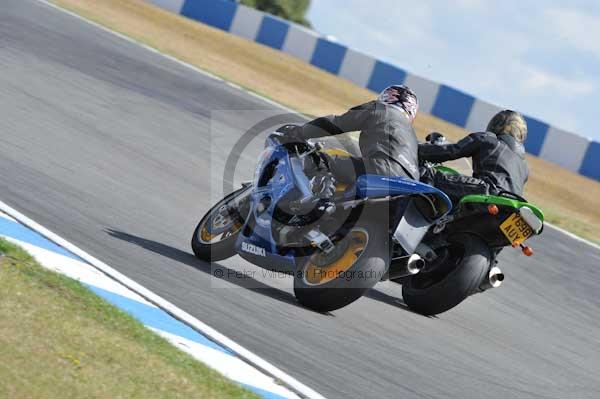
point(441, 289)
point(355, 281)
point(224, 248)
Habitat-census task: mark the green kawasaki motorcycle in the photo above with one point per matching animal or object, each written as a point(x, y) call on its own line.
point(458, 255)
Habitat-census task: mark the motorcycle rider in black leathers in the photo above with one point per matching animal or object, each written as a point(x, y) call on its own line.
point(387, 142)
point(498, 159)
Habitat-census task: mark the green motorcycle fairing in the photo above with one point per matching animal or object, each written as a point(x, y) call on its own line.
point(503, 201)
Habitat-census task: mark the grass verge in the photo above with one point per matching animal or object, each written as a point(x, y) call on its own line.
point(569, 200)
point(59, 340)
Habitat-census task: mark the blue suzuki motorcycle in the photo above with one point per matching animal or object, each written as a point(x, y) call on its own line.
point(337, 247)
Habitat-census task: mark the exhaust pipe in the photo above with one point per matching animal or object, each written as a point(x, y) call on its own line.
point(415, 264)
point(494, 280)
point(406, 266)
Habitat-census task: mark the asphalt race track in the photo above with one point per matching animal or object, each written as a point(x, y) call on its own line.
point(107, 144)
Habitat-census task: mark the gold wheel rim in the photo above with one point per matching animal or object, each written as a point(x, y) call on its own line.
point(207, 237)
point(319, 275)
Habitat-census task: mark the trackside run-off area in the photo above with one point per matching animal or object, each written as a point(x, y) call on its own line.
point(60, 340)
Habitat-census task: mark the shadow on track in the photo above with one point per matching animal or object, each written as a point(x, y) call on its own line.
point(392, 301)
point(215, 270)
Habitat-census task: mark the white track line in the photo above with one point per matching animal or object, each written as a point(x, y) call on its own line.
point(233, 368)
point(5, 216)
point(289, 381)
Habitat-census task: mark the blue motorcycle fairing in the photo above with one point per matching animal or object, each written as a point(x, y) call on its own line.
point(274, 179)
point(377, 186)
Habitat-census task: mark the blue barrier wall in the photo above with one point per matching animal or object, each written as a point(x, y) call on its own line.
point(452, 105)
point(328, 56)
point(573, 152)
point(272, 32)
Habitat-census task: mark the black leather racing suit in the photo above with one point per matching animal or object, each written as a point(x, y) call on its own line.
point(387, 142)
point(498, 165)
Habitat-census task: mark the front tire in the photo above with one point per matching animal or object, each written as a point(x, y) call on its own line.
point(461, 273)
point(215, 236)
point(328, 282)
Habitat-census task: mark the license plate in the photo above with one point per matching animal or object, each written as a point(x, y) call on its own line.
point(516, 229)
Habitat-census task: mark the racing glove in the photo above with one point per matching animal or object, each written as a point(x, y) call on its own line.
point(289, 134)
